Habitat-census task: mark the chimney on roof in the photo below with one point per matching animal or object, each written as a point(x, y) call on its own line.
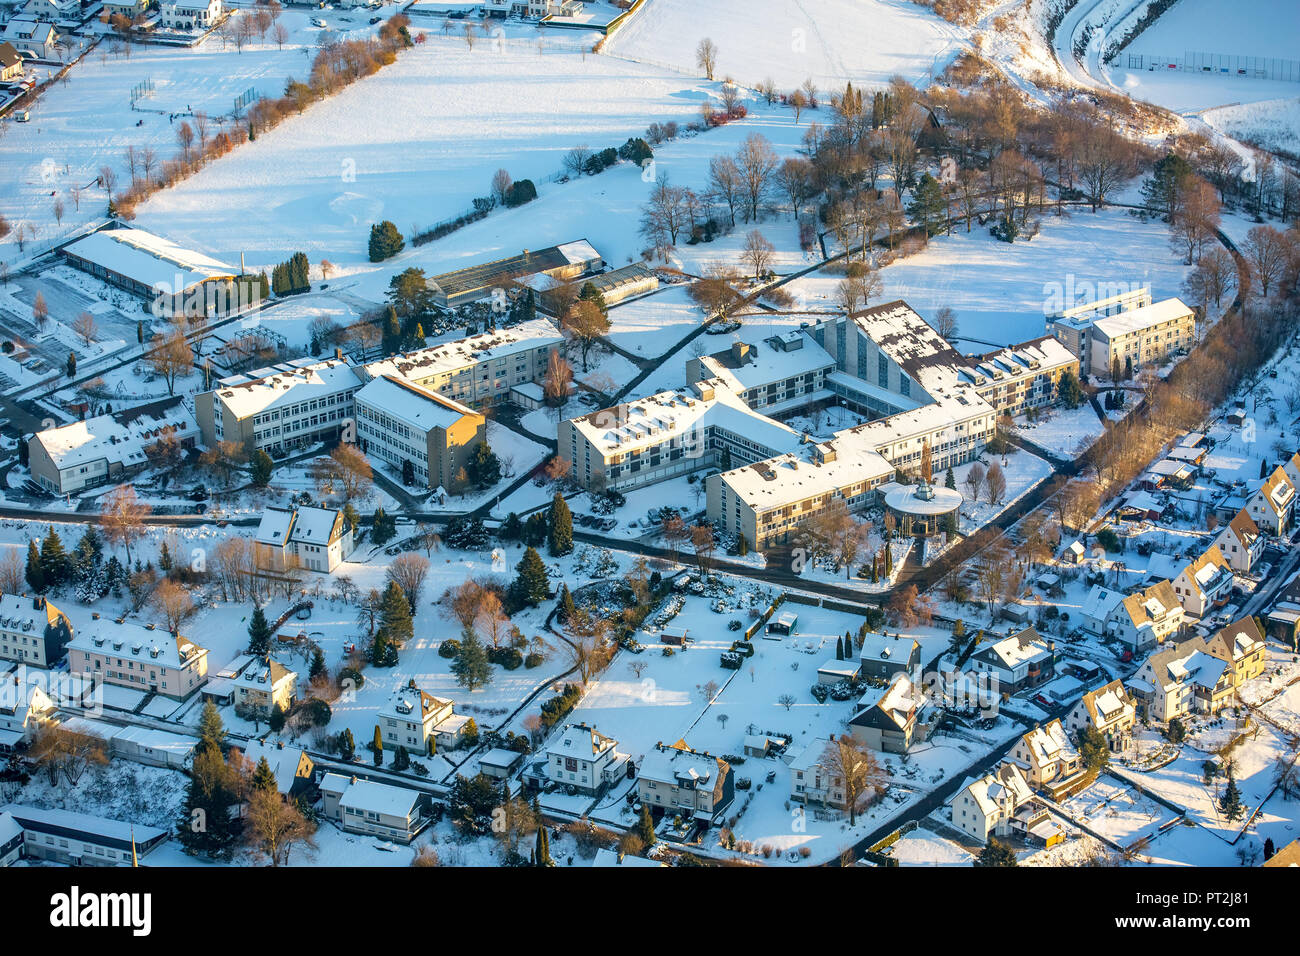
point(338, 353)
point(739, 351)
point(38, 603)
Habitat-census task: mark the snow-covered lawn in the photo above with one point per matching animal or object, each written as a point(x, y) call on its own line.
point(1272, 124)
point(831, 41)
point(1117, 811)
point(924, 847)
point(1062, 430)
point(653, 325)
point(1001, 291)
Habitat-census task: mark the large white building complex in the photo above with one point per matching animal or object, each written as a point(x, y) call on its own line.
point(884, 361)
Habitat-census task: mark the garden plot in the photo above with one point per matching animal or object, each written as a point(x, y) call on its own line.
point(1063, 431)
point(1001, 291)
point(1182, 782)
point(652, 326)
point(829, 41)
point(924, 847)
point(1118, 812)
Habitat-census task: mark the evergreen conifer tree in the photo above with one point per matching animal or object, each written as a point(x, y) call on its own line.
point(259, 634)
point(559, 527)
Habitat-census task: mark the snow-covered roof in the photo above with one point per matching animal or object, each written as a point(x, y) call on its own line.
point(283, 761)
point(580, 740)
point(655, 419)
point(301, 525)
point(679, 765)
point(367, 795)
point(412, 704)
point(288, 383)
point(130, 640)
point(1100, 602)
point(153, 261)
point(1005, 787)
point(605, 858)
point(760, 362)
point(1135, 320)
point(423, 410)
point(882, 647)
point(158, 740)
point(1017, 649)
point(1048, 744)
point(452, 356)
point(28, 614)
point(120, 437)
point(98, 829)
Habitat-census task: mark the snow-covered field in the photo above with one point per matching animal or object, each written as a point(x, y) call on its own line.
point(831, 41)
point(88, 120)
point(1063, 431)
point(1000, 291)
point(1272, 124)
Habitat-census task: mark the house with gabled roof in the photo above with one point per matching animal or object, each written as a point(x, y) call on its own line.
point(1272, 505)
point(317, 539)
point(1046, 755)
point(292, 766)
point(1240, 645)
point(884, 656)
point(1181, 679)
point(1148, 617)
point(1001, 804)
point(892, 719)
point(1241, 542)
point(1200, 584)
point(139, 657)
point(1023, 660)
point(682, 781)
point(583, 758)
point(375, 809)
point(1109, 710)
point(33, 631)
point(24, 708)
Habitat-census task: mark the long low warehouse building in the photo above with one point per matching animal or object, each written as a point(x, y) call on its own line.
point(180, 281)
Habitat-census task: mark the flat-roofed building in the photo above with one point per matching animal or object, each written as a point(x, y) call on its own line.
point(282, 406)
point(564, 262)
point(480, 369)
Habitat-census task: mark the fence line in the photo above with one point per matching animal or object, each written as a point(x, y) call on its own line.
point(1219, 64)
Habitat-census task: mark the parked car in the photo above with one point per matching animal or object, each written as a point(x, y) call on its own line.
point(199, 493)
point(374, 20)
point(608, 524)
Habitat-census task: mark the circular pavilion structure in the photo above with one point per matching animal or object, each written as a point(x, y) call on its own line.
point(922, 510)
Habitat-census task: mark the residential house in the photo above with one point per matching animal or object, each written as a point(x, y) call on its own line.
point(33, 631)
point(678, 780)
point(1181, 679)
point(1284, 615)
point(1149, 617)
point(1109, 710)
point(24, 708)
point(1047, 755)
point(28, 35)
point(1272, 505)
point(54, 11)
point(139, 657)
point(891, 719)
point(883, 656)
point(374, 809)
point(1018, 662)
point(1240, 542)
point(814, 776)
point(584, 759)
point(196, 15)
point(1199, 585)
point(411, 719)
point(1292, 469)
point(318, 539)
point(11, 64)
point(11, 839)
point(1241, 646)
point(265, 684)
point(1001, 804)
point(291, 765)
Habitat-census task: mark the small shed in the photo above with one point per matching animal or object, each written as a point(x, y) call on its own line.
point(1016, 613)
point(527, 395)
point(785, 623)
point(676, 636)
point(1075, 553)
point(761, 745)
point(834, 671)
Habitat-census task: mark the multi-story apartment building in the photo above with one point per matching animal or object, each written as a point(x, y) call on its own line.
point(281, 407)
point(1014, 380)
point(399, 421)
point(480, 369)
point(33, 631)
point(1139, 337)
point(139, 657)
